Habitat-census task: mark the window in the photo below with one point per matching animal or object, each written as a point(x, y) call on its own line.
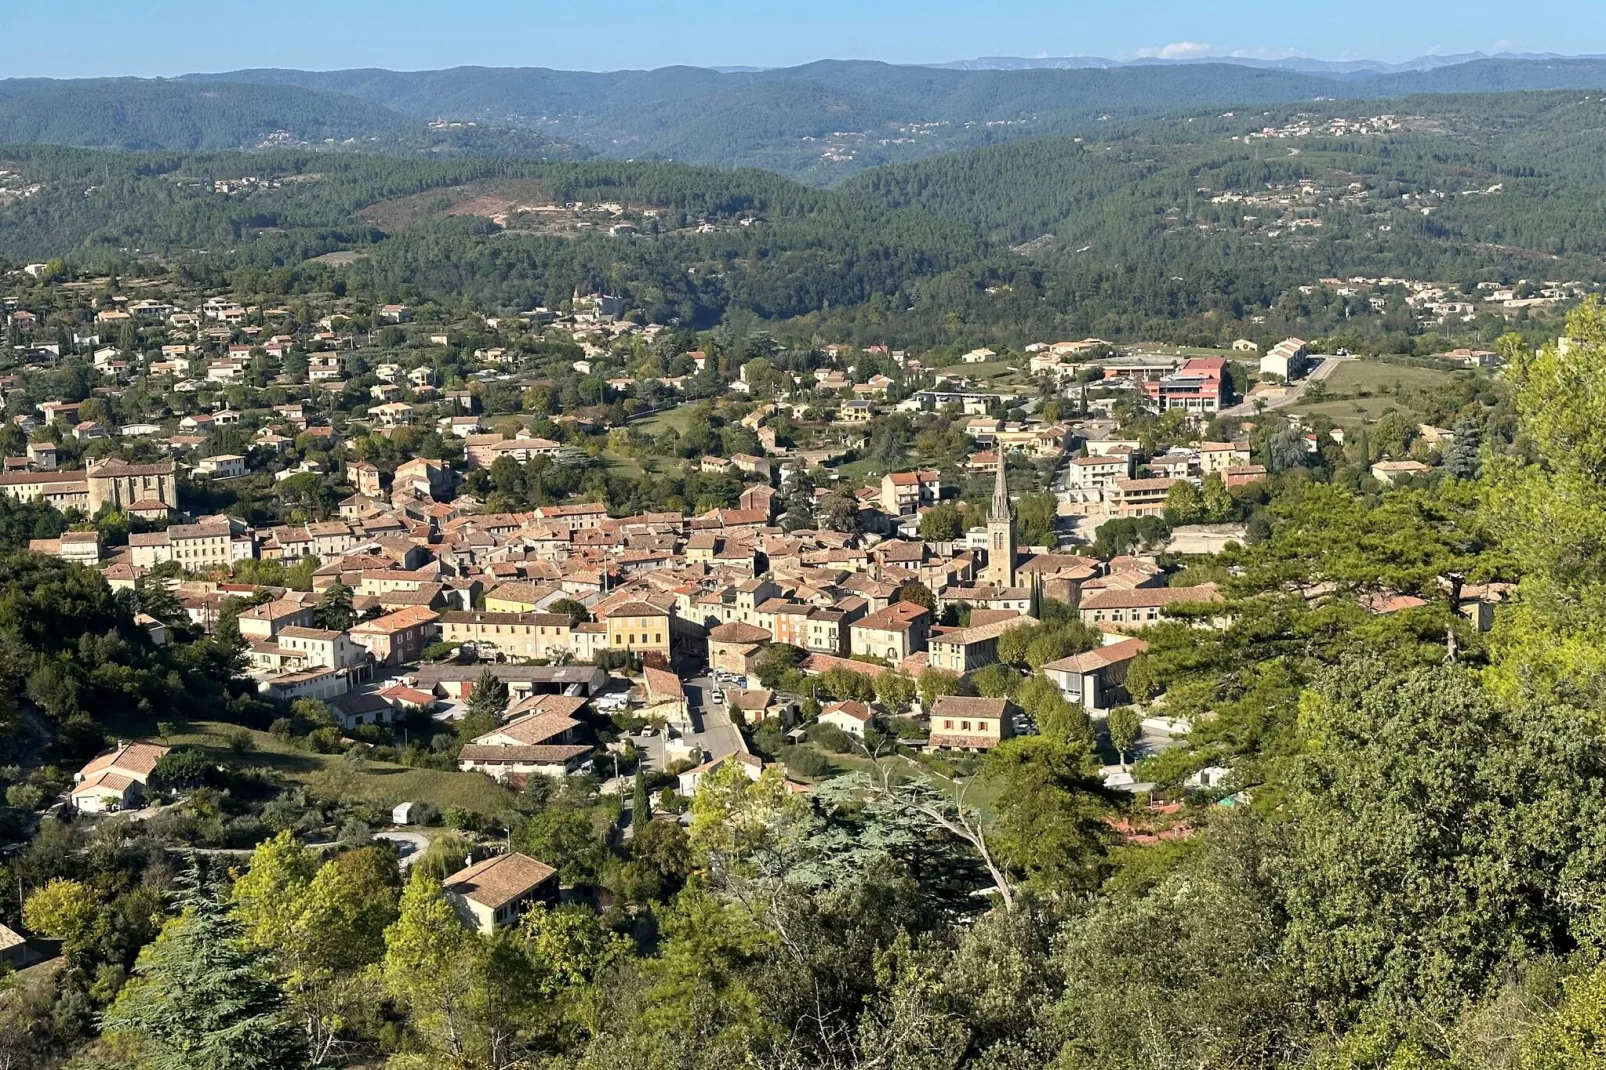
point(964, 726)
point(947, 724)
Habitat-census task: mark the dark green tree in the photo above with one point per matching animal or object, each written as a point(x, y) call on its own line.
point(334, 610)
point(641, 805)
point(199, 1000)
point(1463, 460)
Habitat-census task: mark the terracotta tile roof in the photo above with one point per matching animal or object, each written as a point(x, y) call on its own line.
point(822, 663)
point(531, 730)
point(391, 623)
point(737, 632)
point(106, 779)
point(1145, 597)
point(297, 632)
point(638, 609)
point(135, 758)
point(961, 706)
point(1101, 658)
point(540, 754)
point(498, 881)
point(758, 699)
point(857, 710)
point(567, 705)
point(663, 685)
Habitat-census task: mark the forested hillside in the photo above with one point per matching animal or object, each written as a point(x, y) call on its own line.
point(821, 122)
point(135, 114)
point(1174, 227)
point(826, 120)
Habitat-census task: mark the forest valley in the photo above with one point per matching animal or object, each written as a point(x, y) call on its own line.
point(1195, 227)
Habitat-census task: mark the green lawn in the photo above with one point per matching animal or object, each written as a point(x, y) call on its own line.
point(624, 466)
point(863, 468)
point(1376, 377)
point(679, 418)
point(1352, 412)
point(384, 783)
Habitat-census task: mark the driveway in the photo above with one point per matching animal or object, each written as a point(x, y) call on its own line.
point(410, 846)
point(1326, 368)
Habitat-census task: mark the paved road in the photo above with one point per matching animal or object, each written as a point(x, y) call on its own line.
point(711, 725)
point(410, 846)
point(1327, 367)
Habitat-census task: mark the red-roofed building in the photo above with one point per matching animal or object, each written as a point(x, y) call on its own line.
point(1200, 385)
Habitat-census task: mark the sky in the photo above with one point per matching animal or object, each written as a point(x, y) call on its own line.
point(87, 38)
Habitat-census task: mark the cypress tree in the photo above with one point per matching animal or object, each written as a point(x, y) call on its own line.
point(641, 806)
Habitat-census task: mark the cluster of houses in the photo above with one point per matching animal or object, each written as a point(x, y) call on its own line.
point(489, 894)
point(544, 596)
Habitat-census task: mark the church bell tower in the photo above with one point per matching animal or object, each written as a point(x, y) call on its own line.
point(1000, 571)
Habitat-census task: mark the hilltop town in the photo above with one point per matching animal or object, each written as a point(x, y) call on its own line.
point(859, 566)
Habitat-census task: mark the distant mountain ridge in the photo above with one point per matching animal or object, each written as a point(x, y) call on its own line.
point(820, 122)
point(1302, 64)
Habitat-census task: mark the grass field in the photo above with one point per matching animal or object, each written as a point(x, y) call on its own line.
point(383, 783)
point(1373, 376)
point(863, 468)
point(679, 418)
point(1353, 412)
point(1346, 407)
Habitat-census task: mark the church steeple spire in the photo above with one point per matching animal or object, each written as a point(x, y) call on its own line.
point(1001, 510)
point(1000, 570)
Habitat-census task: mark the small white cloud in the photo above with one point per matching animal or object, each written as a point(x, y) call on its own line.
point(1504, 45)
point(1176, 50)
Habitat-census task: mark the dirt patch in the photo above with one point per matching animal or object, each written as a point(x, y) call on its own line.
point(491, 199)
point(338, 258)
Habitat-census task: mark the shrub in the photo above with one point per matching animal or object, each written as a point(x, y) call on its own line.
point(831, 738)
point(25, 796)
point(805, 761)
point(179, 767)
point(325, 740)
point(240, 741)
point(461, 819)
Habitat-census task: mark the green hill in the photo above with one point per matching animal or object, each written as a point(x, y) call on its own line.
point(1161, 226)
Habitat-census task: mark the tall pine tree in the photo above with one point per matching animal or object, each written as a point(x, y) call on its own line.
point(200, 1000)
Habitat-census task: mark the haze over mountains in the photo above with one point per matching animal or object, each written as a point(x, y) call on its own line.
point(1360, 67)
point(820, 122)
